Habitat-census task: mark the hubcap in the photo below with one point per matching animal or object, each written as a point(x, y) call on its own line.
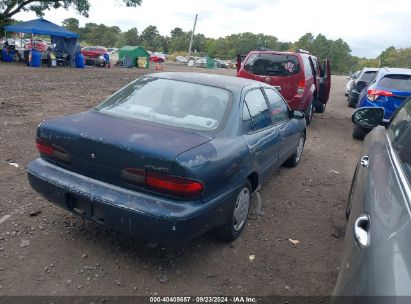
point(310, 114)
point(241, 208)
point(300, 148)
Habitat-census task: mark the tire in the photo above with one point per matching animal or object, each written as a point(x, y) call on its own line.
point(359, 132)
point(320, 108)
point(351, 102)
point(234, 226)
point(309, 113)
point(296, 157)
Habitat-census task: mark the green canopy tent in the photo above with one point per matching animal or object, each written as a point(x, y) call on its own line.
point(133, 56)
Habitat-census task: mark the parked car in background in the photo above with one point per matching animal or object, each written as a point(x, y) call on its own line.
point(377, 247)
point(350, 81)
point(222, 64)
point(112, 51)
point(298, 76)
point(201, 62)
point(39, 45)
point(181, 59)
point(157, 57)
point(390, 88)
point(170, 156)
point(93, 54)
point(365, 77)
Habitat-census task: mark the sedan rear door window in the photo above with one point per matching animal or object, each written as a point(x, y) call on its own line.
point(278, 107)
point(259, 112)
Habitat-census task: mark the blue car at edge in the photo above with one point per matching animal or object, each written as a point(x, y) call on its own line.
point(389, 90)
point(170, 156)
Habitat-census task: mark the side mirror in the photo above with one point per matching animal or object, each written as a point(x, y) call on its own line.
point(297, 114)
point(368, 117)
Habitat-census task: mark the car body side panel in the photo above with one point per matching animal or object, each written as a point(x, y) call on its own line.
point(377, 192)
point(221, 164)
point(290, 134)
point(264, 146)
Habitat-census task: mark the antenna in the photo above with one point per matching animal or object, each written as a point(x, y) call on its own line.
point(192, 36)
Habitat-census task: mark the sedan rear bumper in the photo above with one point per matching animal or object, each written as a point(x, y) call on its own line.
point(139, 214)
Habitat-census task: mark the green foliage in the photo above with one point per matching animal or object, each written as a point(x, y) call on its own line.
point(8, 8)
point(72, 24)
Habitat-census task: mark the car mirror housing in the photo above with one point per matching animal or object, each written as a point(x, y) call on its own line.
point(368, 117)
point(297, 114)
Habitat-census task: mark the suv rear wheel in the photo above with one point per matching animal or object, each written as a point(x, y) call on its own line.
point(320, 107)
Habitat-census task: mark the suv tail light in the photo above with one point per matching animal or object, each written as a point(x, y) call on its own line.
point(173, 185)
point(301, 86)
point(373, 94)
point(52, 151)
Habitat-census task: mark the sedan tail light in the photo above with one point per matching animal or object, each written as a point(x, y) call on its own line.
point(52, 151)
point(163, 183)
point(373, 94)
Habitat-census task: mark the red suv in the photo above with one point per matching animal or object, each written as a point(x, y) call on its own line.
point(298, 76)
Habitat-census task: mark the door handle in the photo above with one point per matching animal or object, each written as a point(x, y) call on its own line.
point(362, 230)
point(364, 161)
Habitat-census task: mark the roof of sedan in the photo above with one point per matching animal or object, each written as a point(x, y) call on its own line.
point(222, 81)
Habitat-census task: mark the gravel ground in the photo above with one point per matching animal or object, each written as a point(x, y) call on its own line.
point(47, 251)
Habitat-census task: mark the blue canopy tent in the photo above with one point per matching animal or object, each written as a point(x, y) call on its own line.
point(62, 37)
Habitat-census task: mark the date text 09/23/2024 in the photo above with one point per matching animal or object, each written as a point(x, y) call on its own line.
point(203, 299)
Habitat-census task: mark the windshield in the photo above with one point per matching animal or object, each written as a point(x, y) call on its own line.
point(272, 64)
point(169, 102)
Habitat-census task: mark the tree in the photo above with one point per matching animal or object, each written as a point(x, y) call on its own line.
point(305, 42)
point(131, 37)
point(388, 57)
point(9, 8)
point(72, 24)
point(149, 38)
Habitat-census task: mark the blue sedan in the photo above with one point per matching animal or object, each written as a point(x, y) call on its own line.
point(170, 156)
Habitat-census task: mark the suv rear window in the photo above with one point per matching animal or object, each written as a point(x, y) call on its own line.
point(272, 64)
point(368, 76)
point(396, 82)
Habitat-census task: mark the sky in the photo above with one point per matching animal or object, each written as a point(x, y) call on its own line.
point(368, 26)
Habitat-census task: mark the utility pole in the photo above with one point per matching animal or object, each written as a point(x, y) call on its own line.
point(192, 36)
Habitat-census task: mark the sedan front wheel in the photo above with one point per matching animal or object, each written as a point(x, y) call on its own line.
point(296, 157)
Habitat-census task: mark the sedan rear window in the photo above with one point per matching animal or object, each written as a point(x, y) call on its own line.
point(272, 64)
point(396, 82)
point(169, 102)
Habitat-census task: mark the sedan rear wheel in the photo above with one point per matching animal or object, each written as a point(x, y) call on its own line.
point(236, 223)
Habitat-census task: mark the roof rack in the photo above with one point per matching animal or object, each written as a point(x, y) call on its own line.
point(302, 51)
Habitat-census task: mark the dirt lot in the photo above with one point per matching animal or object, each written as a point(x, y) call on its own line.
point(47, 251)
